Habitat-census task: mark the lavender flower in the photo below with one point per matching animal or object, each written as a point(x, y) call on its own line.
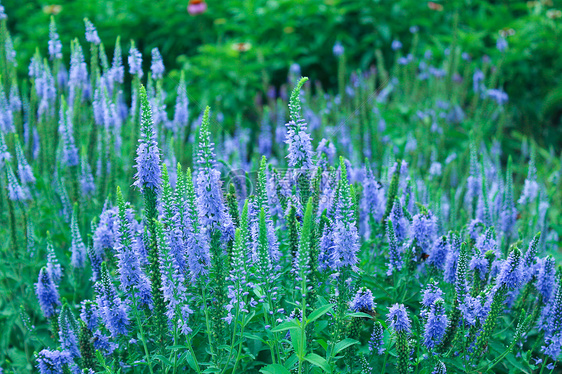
point(398, 319)
point(396, 262)
point(338, 50)
point(87, 184)
point(134, 281)
point(546, 279)
point(345, 235)
point(91, 32)
point(480, 264)
point(373, 201)
point(69, 332)
point(363, 301)
point(69, 150)
point(78, 75)
point(47, 293)
point(103, 239)
point(424, 229)
point(300, 148)
point(50, 362)
point(487, 242)
point(400, 224)
point(326, 248)
point(439, 252)
point(113, 311)
point(181, 112)
point(261, 201)
point(157, 66)
point(376, 343)
point(436, 325)
point(528, 266)
point(452, 258)
point(15, 190)
point(213, 213)
point(396, 45)
point(499, 96)
point(478, 81)
point(471, 309)
point(90, 315)
point(149, 175)
point(44, 86)
point(510, 274)
point(135, 62)
point(198, 255)
point(6, 115)
point(553, 325)
point(238, 288)
point(77, 248)
point(4, 153)
point(24, 169)
point(431, 293)
point(501, 44)
point(405, 60)
point(475, 228)
point(508, 214)
point(55, 45)
point(102, 343)
point(531, 187)
point(173, 285)
point(298, 139)
point(117, 71)
point(327, 148)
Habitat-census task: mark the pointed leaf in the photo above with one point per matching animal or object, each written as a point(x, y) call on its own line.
point(344, 344)
point(319, 313)
point(285, 326)
point(319, 361)
point(275, 369)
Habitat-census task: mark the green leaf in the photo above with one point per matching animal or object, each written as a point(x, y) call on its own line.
point(254, 337)
point(176, 347)
point(322, 343)
point(516, 364)
point(285, 326)
point(291, 361)
point(359, 315)
point(319, 313)
point(299, 345)
point(212, 370)
point(164, 360)
point(275, 369)
point(344, 344)
point(319, 361)
point(190, 360)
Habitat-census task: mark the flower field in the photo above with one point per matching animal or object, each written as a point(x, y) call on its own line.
point(385, 225)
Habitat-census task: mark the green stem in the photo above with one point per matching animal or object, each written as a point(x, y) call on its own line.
point(302, 354)
point(207, 320)
point(136, 311)
point(265, 314)
point(232, 341)
point(384, 362)
point(239, 345)
point(193, 355)
point(173, 352)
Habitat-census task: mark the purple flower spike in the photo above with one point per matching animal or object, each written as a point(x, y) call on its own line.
point(398, 318)
point(47, 293)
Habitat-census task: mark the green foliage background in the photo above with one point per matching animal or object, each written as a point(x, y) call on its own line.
point(281, 32)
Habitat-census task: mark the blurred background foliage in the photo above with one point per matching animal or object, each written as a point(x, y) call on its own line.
point(237, 49)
